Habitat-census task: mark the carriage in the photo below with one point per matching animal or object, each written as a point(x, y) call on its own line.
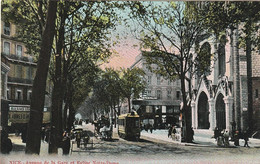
point(103, 128)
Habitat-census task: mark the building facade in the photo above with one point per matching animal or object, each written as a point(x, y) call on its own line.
point(220, 96)
point(19, 79)
point(159, 105)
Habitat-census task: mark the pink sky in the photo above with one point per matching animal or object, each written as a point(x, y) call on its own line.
point(126, 55)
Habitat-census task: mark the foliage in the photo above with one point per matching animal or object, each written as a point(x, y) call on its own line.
point(168, 34)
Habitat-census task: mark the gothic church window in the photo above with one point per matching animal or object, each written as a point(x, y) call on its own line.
point(203, 59)
point(222, 56)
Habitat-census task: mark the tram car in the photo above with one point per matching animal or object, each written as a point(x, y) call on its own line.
point(129, 126)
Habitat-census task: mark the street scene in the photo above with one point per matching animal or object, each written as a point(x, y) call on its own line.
point(109, 82)
point(151, 148)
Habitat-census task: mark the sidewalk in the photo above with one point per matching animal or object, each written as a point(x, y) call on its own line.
point(201, 138)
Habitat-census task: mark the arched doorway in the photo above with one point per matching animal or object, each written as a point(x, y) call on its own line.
point(220, 112)
point(203, 111)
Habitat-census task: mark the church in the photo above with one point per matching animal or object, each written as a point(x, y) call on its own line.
point(220, 96)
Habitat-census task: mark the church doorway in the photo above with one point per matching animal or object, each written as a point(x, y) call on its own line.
point(220, 112)
point(203, 111)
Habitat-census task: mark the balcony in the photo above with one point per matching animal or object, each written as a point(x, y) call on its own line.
point(19, 80)
point(22, 102)
point(19, 58)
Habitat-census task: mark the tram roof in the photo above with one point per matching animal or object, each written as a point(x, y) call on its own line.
point(132, 114)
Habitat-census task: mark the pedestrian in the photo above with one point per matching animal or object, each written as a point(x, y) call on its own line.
point(170, 131)
point(78, 138)
point(192, 134)
point(24, 134)
point(173, 133)
point(151, 128)
point(43, 134)
point(236, 138)
point(245, 136)
point(216, 133)
point(66, 143)
point(6, 143)
point(226, 138)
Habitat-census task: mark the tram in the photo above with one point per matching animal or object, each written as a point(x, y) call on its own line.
point(19, 115)
point(129, 126)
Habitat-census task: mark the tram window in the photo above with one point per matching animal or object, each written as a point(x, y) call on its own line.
point(136, 123)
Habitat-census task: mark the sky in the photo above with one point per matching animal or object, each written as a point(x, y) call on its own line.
point(126, 53)
point(128, 48)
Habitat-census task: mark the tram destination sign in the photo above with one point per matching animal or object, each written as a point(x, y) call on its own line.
point(19, 108)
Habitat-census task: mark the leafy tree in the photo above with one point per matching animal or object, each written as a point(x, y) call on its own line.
point(81, 43)
point(168, 35)
point(113, 87)
point(132, 84)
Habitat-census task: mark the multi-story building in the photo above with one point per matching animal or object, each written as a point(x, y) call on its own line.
point(4, 101)
point(160, 103)
point(221, 94)
point(19, 80)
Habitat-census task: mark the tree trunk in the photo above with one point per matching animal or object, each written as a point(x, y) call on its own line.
point(249, 75)
point(186, 127)
point(57, 95)
point(237, 103)
point(129, 104)
point(39, 84)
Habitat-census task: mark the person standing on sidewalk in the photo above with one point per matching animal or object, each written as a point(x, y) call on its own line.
point(245, 136)
point(236, 138)
point(66, 143)
point(226, 138)
point(173, 133)
point(170, 131)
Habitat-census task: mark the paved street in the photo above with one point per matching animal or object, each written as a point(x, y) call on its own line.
point(148, 150)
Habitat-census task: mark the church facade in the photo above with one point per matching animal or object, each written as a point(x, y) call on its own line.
point(220, 96)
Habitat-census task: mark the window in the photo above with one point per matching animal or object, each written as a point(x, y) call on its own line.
point(18, 71)
point(19, 50)
point(149, 109)
point(169, 94)
point(29, 73)
point(149, 80)
point(7, 28)
point(158, 80)
point(3, 84)
point(222, 56)
point(18, 95)
point(159, 94)
point(149, 93)
point(256, 93)
point(29, 95)
point(178, 95)
point(7, 48)
point(8, 93)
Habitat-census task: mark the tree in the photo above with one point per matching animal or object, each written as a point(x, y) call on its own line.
point(81, 43)
point(39, 83)
point(168, 35)
point(113, 87)
point(132, 84)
